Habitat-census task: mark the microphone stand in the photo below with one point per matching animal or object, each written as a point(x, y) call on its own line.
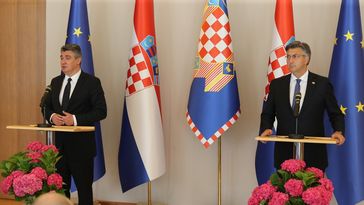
point(44, 124)
point(43, 107)
point(296, 113)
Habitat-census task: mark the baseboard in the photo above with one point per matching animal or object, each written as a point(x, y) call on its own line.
point(9, 201)
point(100, 202)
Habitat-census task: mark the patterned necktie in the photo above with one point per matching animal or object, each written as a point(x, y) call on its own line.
point(297, 89)
point(66, 94)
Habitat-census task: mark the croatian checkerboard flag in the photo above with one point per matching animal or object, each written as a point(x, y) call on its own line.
point(283, 34)
point(78, 32)
point(214, 104)
point(141, 151)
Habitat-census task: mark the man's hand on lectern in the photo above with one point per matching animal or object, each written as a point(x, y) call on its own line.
point(266, 133)
point(67, 119)
point(57, 119)
point(340, 139)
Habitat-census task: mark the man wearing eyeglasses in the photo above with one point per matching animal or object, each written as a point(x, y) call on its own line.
point(317, 96)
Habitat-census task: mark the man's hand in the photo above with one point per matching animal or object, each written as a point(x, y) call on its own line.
point(340, 139)
point(265, 133)
point(57, 119)
point(67, 119)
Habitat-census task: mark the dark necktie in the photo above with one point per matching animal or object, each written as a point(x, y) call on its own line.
point(297, 89)
point(66, 94)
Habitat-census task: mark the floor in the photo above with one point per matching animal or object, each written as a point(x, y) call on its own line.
point(10, 202)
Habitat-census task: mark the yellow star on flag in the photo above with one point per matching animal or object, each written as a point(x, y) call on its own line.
point(335, 41)
point(349, 36)
point(77, 31)
point(343, 109)
point(360, 107)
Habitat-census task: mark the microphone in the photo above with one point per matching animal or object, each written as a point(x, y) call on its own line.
point(43, 105)
point(296, 112)
point(45, 96)
point(297, 101)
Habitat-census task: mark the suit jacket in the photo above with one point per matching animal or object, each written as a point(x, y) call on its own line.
point(88, 104)
point(319, 98)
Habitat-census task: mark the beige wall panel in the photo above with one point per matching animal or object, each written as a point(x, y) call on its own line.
point(22, 70)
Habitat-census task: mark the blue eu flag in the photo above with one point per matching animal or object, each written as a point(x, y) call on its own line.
point(346, 162)
point(78, 32)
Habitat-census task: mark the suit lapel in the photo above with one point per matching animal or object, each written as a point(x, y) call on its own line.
point(78, 87)
point(310, 90)
point(285, 90)
point(57, 89)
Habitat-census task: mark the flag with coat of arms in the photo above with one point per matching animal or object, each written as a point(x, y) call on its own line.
point(283, 34)
point(214, 104)
point(141, 150)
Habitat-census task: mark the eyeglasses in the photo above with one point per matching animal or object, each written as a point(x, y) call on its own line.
point(295, 56)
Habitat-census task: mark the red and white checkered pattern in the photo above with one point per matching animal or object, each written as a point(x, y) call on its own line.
point(277, 66)
point(215, 41)
point(208, 141)
point(138, 76)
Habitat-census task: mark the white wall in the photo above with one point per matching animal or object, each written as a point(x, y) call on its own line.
point(191, 176)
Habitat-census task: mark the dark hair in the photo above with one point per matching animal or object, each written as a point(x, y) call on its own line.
point(302, 45)
point(76, 49)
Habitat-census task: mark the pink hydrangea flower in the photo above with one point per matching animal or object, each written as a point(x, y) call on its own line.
point(17, 173)
point(34, 146)
point(34, 156)
point(39, 172)
point(326, 195)
point(27, 184)
point(327, 184)
point(294, 187)
point(6, 184)
point(278, 198)
point(253, 201)
point(264, 191)
point(56, 180)
point(48, 147)
point(311, 196)
point(317, 172)
point(293, 165)
point(317, 196)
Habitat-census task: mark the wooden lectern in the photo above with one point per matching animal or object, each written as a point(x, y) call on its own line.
point(50, 131)
point(298, 147)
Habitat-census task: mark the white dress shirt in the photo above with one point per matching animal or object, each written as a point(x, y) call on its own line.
point(303, 87)
point(73, 85)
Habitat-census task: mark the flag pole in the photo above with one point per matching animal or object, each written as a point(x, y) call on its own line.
point(149, 193)
point(219, 172)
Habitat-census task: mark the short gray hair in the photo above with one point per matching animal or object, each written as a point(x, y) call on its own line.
point(76, 49)
point(302, 45)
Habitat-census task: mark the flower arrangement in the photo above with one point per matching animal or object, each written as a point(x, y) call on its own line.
point(31, 173)
point(294, 184)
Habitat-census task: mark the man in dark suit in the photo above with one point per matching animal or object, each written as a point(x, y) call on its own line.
point(317, 97)
point(76, 98)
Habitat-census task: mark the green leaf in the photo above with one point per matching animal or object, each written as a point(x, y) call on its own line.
point(284, 175)
point(275, 179)
point(296, 201)
point(263, 202)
